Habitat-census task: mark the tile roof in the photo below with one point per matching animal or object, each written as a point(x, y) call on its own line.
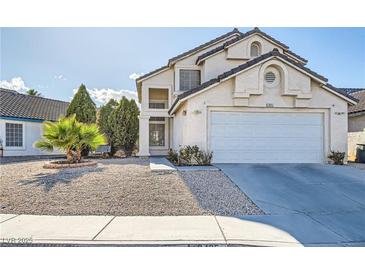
point(232, 32)
point(359, 94)
point(151, 72)
point(351, 90)
point(14, 104)
point(297, 56)
point(250, 63)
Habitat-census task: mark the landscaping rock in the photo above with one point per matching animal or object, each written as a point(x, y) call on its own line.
point(64, 164)
point(120, 154)
point(218, 194)
point(123, 187)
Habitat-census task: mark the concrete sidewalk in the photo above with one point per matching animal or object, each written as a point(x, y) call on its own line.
point(139, 231)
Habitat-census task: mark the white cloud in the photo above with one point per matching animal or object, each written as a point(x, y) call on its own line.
point(135, 75)
point(102, 96)
point(16, 83)
point(60, 77)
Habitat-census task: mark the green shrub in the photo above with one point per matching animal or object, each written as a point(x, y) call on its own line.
point(172, 156)
point(337, 157)
point(190, 156)
point(103, 120)
point(204, 158)
point(123, 122)
point(186, 155)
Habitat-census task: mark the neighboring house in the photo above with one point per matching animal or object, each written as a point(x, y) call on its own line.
point(357, 112)
point(21, 118)
point(247, 98)
point(356, 121)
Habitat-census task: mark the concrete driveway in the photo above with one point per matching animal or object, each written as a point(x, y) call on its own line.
point(316, 204)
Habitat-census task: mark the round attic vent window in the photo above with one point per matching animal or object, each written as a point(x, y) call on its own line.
point(270, 77)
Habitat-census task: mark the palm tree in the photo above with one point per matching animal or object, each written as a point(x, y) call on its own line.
point(70, 136)
point(33, 92)
point(89, 137)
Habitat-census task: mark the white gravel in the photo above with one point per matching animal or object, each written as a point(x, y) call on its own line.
point(217, 194)
point(114, 187)
point(117, 187)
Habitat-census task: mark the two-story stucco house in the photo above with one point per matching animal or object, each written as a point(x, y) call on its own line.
point(247, 98)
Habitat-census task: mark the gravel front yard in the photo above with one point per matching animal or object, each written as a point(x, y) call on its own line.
point(217, 194)
point(117, 187)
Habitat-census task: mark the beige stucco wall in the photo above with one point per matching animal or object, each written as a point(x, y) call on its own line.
point(357, 123)
point(234, 56)
point(241, 50)
point(179, 128)
point(220, 97)
point(355, 138)
point(190, 60)
point(218, 64)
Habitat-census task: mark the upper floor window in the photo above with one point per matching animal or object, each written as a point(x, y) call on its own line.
point(14, 135)
point(189, 79)
point(255, 49)
point(158, 105)
point(158, 98)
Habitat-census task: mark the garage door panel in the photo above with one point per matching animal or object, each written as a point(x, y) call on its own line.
point(257, 131)
point(238, 156)
point(239, 137)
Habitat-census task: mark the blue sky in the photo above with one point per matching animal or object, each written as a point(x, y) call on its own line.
point(55, 61)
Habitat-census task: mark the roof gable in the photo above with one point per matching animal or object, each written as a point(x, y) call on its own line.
point(275, 53)
point(234, 32)
point(245, 36)
point(14, 104)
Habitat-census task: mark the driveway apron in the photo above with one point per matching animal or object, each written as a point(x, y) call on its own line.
point(328, 201)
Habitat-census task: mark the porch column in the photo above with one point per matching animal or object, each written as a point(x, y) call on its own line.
point(144, 144)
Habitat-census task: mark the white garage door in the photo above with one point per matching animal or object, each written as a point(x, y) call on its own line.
point(242, 137)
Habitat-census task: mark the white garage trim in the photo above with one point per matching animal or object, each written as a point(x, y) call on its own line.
point(315, 122)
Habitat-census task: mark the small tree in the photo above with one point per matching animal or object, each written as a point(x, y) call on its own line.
point(103, 119)
point(82, 106)
point(124, 124)
point(70, 136)
point(33, 92)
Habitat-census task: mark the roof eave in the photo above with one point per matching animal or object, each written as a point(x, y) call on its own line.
point(335, 92)
point(356, 113)
point(174, 61)
point(300, 60)
point(151, 74)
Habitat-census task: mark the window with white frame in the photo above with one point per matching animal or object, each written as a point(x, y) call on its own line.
point(158, 98)
point(158, 104)
point(189, 79)
point(157, 131)
point(13, 135)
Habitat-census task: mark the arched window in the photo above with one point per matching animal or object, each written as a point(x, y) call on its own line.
point(255, 49)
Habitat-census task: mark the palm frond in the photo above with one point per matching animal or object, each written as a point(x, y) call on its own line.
point(44, 145)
